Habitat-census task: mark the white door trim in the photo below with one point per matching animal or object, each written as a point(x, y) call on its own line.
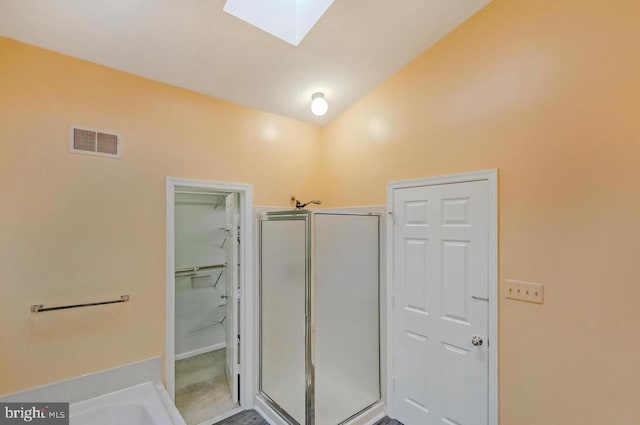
point(246, 282)
point(491, 176)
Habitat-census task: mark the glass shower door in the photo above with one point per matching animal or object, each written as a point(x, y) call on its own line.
point(284, 307)
point(346, 306)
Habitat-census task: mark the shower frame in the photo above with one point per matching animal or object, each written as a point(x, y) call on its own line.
point(305, 216)
point(308, 217)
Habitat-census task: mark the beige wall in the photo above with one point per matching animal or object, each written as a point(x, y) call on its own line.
point(548, 91)
point(77, 228)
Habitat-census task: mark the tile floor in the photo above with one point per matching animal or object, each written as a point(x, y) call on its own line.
point(202, 391)
point(251, 417)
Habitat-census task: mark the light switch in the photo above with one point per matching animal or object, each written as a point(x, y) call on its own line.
point(530, 292)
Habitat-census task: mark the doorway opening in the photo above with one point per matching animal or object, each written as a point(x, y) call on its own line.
point(208, 268)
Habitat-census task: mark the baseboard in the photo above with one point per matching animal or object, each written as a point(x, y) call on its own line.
point(202, 350)
point(268, 413)
point(369, 416)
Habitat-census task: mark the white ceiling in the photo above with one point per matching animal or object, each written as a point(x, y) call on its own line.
point(193, 44)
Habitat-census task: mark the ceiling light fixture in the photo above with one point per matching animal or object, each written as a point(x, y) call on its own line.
point(319, 105)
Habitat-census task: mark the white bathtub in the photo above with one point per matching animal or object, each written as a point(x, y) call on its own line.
point(144, 404)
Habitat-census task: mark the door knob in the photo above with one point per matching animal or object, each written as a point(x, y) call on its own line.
point(477, 341)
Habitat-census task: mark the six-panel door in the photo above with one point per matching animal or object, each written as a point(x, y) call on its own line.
point(441, 303)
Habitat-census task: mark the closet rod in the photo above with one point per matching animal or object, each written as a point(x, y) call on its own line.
point(197, 268)
point(184, 192)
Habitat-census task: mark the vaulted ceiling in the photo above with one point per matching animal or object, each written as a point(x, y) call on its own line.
point(194, 44)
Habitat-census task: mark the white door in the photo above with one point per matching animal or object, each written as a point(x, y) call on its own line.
point(440, 353)
point(232, 293)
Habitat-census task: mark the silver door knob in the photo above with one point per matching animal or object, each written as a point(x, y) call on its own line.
point(477, 341)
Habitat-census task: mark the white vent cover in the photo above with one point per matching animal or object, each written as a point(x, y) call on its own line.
point(94, 142)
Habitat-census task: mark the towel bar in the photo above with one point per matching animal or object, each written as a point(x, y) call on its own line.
point(38, 308)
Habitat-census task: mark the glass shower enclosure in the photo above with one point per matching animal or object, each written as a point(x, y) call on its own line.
point(319, 315)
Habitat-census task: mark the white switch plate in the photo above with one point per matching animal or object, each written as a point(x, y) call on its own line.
point(530, 292)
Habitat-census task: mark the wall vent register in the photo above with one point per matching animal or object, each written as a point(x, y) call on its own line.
point(94, 142)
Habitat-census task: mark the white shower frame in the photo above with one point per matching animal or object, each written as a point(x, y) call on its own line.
point(246, 280)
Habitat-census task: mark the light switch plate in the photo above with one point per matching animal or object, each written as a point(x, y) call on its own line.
point(530, 292)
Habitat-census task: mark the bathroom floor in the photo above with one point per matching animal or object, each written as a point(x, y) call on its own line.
point(251, 417)
point(202, 390)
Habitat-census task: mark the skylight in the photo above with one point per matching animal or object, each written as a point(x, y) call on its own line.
point(289, 20)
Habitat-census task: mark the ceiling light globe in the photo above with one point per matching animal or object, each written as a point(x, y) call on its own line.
point(319, 105)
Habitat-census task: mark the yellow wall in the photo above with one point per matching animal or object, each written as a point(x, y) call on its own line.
point(548, 91)
point(76, 228)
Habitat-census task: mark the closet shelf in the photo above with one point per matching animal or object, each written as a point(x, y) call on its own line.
point(195, 269)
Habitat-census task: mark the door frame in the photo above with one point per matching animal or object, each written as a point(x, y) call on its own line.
point(245, 279)
point(491, 176)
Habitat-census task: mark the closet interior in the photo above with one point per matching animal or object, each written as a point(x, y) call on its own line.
point(206, 268)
